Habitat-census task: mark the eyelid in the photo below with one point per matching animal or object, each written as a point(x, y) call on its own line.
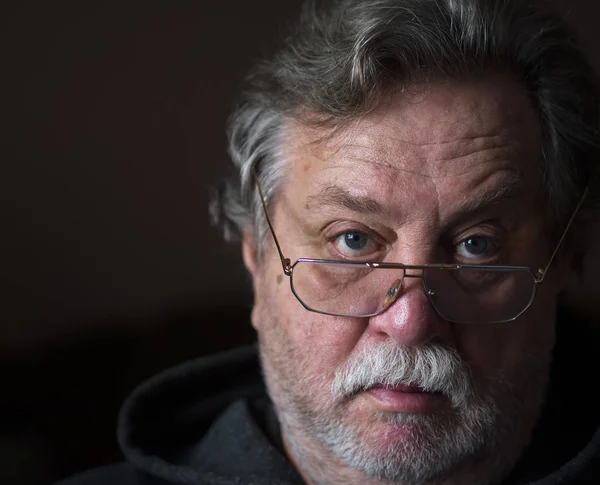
point(490, 229)
point(336, 229)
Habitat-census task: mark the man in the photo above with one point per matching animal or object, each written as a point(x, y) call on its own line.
point(414, 181)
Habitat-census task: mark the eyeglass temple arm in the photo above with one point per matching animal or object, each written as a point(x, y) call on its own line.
point(541, 273)
point(285, 262)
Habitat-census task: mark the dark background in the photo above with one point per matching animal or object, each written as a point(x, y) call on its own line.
point(112, 135)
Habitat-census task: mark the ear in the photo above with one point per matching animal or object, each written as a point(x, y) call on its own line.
point(249, 251)
point(249, 257)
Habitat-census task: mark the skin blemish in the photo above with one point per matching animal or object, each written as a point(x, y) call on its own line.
point(279, 279)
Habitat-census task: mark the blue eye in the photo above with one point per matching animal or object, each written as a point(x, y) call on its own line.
point(355, 240)
point(357, 244)
point(475, 245)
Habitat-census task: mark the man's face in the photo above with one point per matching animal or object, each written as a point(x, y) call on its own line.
point(408, 183)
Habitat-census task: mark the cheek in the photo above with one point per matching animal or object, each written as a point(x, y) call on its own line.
point(510, 349)
point(297, 341)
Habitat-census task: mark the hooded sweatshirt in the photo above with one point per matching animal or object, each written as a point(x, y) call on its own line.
point(210, 422)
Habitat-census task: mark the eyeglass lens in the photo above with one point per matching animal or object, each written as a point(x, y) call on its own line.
point(465, 295)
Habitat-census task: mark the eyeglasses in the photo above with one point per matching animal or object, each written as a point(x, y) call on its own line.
point(459, 293)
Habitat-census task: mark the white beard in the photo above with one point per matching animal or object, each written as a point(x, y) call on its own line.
point(476, 441)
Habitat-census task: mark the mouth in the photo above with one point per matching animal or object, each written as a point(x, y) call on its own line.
point(403, 398)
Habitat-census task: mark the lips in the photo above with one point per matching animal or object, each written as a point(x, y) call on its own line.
point(405, 398)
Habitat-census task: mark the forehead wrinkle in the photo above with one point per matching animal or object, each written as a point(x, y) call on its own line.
point(472, 151)
point(499, 133)
point(395, 174)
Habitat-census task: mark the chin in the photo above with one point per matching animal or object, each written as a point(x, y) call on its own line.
point(421, 447)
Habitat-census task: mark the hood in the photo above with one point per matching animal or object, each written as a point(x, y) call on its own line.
point(565, 445)
point(165, 417)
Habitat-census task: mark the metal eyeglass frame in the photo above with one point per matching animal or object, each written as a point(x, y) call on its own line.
point(538, 276)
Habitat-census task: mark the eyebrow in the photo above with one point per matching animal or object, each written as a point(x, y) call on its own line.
point(336, 196)
point(510, 189)
point(333, 195)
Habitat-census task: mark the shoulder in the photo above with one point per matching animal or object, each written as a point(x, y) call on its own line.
point(118, 474)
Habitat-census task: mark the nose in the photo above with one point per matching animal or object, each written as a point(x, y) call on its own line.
point(410, 319)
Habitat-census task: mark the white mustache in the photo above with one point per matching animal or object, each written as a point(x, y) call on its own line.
point(432, 368)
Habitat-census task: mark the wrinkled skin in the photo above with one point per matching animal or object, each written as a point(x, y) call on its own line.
point(424, 157)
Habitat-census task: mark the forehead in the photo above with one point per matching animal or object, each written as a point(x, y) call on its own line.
point(450, 137)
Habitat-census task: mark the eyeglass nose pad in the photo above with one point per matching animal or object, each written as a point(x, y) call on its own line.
point(392, 293)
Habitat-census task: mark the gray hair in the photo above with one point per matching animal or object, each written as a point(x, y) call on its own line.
point(343, 54)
